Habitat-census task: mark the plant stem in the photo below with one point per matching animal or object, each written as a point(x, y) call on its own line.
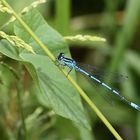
point(62, 16)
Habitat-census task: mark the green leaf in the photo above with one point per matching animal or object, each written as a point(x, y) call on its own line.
point(85, 134)
point(7, 49)
point(55, 90)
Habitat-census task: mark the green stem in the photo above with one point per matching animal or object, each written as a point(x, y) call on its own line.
point(62, 16)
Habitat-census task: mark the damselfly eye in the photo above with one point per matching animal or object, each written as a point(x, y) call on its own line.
point(60, 56)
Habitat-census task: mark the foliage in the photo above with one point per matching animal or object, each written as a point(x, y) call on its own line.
point(42, 106)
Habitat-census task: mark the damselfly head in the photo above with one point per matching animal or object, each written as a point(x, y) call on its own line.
point(60, 56)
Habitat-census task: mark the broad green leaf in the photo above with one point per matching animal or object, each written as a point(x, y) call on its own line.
point(55, 90)
point(85, 134)
point(7, 49)
point(70, 133)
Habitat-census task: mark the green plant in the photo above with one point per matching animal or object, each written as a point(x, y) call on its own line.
point(32, 30)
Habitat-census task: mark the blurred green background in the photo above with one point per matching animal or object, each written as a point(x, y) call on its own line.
point(118, 22)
